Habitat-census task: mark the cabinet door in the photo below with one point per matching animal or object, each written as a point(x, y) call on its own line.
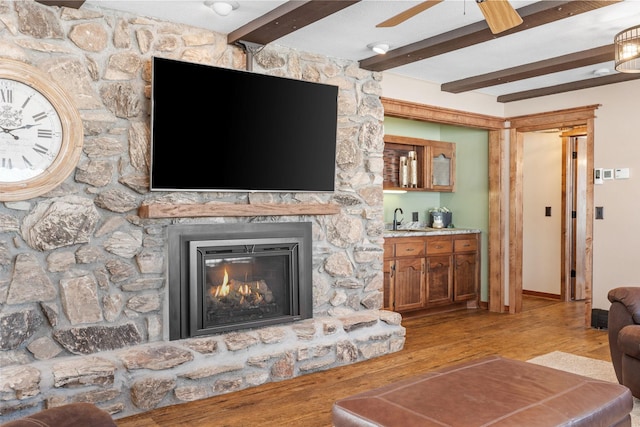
point(439, 280)
point(408, 283)
point(466, 274)
point(442, 166)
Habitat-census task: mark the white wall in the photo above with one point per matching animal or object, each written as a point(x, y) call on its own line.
point(541, 235)
point(408, 89)
point(617, 144)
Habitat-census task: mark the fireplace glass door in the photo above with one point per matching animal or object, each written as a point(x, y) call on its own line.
point(243, 285)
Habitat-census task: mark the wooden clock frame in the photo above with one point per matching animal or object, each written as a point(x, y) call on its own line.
point(72, 133)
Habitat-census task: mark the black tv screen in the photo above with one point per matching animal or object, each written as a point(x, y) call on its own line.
point(219, 129)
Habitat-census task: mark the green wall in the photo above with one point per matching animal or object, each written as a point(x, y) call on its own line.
point(470, 202)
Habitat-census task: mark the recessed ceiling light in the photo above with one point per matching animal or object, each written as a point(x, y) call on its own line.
point(222, 8)
point(379, 48)
point(601, 72)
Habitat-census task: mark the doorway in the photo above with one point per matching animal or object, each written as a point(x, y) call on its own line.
point(554, 189)
point(543, 183)
point(583, 231)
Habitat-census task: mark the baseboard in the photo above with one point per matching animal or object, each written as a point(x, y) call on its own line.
point(541, 295)
point(599, 318)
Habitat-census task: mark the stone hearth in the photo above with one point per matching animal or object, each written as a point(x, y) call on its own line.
point(83, 278)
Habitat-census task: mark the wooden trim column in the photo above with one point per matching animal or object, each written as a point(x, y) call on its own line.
point(515, 220)
point(497, 221)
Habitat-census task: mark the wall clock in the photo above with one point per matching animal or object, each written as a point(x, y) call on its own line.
point(41, 132)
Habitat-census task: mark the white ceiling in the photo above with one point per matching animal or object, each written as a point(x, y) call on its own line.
point(347, 33)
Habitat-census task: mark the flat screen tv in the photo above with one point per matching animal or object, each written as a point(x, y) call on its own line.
point(219, 129)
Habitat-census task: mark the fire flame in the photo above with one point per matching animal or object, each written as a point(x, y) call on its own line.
point(224, 289)
point(244, 291)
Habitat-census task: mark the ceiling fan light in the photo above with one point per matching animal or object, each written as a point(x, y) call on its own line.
point(627, 50)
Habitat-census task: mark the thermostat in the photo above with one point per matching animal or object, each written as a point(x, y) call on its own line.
point(622, 173)
point(597, 176)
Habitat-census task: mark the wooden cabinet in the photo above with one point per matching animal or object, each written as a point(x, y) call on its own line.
point(442, 156)
point(436, 166)
point(466, 268)
point(423, 274)
point(409, 282)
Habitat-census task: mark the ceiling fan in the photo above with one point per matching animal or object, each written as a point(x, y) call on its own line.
point(499, 14)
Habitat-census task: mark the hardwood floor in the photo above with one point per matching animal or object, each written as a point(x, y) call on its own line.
point(431, 342)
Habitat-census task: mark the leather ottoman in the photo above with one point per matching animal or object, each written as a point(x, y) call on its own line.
point(70, 415)
point(492, 391)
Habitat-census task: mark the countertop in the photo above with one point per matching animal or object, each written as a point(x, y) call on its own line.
point(427, 231)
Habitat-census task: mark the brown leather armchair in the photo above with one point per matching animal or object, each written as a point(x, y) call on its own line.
point(624, 335)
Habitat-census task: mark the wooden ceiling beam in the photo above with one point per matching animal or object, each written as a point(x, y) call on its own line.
point(75, 4)
point(548, 66)
point(568, 87)
point(534, 15)
point(285, 19)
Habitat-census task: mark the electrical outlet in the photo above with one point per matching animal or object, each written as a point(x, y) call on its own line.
point(414, 216)
point(599, 212)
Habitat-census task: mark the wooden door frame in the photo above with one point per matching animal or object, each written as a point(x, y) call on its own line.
point(570, 118)
point(503, 187)
point(573, 169)
point(495, 126)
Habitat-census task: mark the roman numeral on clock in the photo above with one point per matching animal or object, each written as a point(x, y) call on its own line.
point(26, 101)
point(40, 149)
point(39, 116)
point(45, 133)
point(6, 95)
point(6, 163)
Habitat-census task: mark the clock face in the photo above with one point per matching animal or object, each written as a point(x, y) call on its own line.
point(30, 132)
point(41, 132)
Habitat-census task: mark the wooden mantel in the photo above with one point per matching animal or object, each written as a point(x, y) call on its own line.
point(182, 210)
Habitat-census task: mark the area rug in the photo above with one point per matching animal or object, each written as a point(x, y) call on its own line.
point(592, 368)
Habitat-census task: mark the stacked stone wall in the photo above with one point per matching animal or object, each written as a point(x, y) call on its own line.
point(83, 286)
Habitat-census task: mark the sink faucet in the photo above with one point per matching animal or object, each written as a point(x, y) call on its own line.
point(395, 221)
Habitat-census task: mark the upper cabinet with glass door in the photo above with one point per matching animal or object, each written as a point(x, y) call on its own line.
point(415, 164)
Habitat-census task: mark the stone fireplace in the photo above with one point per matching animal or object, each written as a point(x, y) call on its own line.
point(233, 277)
point(85, 289)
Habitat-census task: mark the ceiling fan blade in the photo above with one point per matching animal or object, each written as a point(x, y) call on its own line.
point(500, 15)
point(409, 13)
